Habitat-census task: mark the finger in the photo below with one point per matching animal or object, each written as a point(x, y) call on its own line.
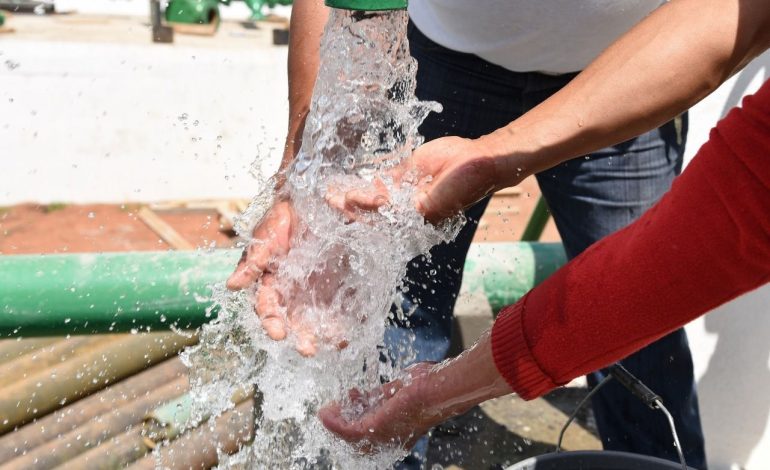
point(365, 200)
point(336, 200)
point(307, 344)
point(269, 307)
point(331, 418)
point(270, 241)
point(254, 261)
point(355, 395)
point(434, 211)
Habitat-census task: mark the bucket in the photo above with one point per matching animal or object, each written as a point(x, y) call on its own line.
point(595, 460)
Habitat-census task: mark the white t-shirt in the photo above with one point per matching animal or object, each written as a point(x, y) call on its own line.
point(551, 36)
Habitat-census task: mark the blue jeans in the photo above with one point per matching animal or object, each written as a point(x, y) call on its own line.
point(589, 197)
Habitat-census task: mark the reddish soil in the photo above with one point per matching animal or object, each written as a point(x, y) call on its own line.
point(57, 228)
point(93, 228)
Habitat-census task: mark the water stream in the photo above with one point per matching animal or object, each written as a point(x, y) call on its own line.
point(342, 277)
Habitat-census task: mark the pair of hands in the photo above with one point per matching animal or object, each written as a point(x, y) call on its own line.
point(451, 174)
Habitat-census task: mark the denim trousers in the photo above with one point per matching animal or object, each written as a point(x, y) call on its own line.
point(589, 197)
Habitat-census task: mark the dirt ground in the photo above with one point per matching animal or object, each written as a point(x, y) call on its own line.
point(65, 228)
point(60, 228)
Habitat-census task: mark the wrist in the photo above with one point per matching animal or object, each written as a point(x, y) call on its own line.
point(456, 385)
point(512, 154)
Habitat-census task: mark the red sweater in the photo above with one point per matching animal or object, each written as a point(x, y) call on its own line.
point(706, 242)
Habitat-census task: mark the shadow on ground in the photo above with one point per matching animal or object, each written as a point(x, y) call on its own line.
point(507, 430)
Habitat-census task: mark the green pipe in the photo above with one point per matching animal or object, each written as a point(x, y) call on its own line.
point(368, 5)
point(537, 222)
point(504, 272)
point(118, 292)
point(110, 292)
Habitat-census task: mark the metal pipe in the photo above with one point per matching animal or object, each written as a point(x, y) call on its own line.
point(119, 451)
point(14, 348)
point(86, 294)
point(84, 374)
point(200, 447)
point(47, 356)
point(169, 420)
point(98, 430)
point(65, 420)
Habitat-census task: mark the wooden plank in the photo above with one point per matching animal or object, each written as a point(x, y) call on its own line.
point(164, 230)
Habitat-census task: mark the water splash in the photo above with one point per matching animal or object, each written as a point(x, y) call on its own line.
point(342, 277)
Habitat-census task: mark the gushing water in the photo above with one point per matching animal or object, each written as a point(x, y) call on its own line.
point(340, 278)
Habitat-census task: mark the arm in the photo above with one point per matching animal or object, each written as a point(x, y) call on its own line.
point(308, 18)
point(271, 239)
point(669, 61)
point(706, 242)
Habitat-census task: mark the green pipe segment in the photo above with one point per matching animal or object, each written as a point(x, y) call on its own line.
point(117, 292)
point(368, 5)
point(504, 272)
point(49, 295)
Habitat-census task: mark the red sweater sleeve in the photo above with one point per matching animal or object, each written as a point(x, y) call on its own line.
point(706, 242)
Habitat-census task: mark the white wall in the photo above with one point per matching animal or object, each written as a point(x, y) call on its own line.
point(731, 345)
point(100, 122)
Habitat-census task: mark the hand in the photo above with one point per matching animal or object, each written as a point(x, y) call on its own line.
point(395, 414)
point(270, 244)
point(280, 303)
point(400, 412)
point(450, 173)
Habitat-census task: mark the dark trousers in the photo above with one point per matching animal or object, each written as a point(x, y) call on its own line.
point(589, 197)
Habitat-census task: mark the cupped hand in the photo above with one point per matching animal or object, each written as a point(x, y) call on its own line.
point(396, 414)
point(400, 412)
point(271, 242)
point(450, 174)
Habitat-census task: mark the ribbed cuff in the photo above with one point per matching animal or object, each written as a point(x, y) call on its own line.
point(513, 357)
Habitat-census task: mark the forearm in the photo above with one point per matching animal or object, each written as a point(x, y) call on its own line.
point(668, 62)
point(460, 383)
point(308, 18)
point(706, 242)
